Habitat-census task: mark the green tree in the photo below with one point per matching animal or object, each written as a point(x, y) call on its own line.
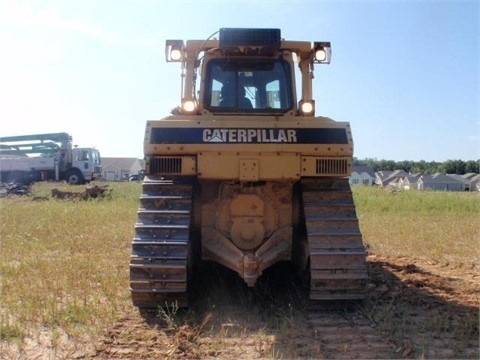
point(454, 167)
point(472, 167)
point(405, 165)
point(431, 167)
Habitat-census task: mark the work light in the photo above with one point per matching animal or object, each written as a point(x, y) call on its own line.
point(322, 52)
point(189, 106)
point(174, 50)
point(307, 107)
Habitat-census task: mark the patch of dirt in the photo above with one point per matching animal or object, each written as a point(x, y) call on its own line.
point(47, 344)
point(14, 189)
point(92, 191)
point(414, 309)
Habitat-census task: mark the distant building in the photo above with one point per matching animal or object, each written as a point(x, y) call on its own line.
point(471, 180)
point(389, 178)
point(441, 182)
point(474, 181)
point(362, 175)
point(119, 169)
point(409, 182)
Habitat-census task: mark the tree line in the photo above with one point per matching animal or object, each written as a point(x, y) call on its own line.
point(459, 167)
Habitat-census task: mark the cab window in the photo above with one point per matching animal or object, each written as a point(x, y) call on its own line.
point(248, 86)
point(83, 156)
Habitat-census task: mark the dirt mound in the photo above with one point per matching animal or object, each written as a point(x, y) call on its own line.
point(91, 192)
point(14, 188)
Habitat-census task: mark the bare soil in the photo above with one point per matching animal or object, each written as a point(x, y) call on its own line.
point(415, 309)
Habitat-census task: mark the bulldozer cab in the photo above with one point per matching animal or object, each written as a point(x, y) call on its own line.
point(246, 71)
point(247, 85)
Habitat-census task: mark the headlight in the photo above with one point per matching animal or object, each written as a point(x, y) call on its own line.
point(175, 54)
point(307, 107)
point(174, 50)
point(322, 52)
point(320, 55)
point(189, 106)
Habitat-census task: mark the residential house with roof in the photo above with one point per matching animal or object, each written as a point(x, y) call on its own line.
point(362, 175)
point(474, 182)
point(389, 178)
point(441, 182)
point(471, 180)
point(409, 182)
point(119, 169)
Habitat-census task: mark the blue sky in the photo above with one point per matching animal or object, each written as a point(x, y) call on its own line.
point(405, 74)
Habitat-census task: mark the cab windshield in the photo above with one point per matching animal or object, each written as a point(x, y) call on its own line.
point(245, 85)
point(95, 157)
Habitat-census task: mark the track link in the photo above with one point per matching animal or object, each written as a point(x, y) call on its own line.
point(160, 247)
point(338, 265)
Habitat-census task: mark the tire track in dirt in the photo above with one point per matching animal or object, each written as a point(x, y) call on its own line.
point(321, 336)
point(233, 322)
point(351, 338)
point(415, 309)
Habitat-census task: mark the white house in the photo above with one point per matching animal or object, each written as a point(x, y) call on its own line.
point(386, 178)
point(119, 169)
point(362, 175)
point(409, 182)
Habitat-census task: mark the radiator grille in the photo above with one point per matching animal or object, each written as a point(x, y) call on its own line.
point(332, 167)
point(166, 165)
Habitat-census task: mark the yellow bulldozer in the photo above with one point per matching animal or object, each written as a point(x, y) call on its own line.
point(242, 173)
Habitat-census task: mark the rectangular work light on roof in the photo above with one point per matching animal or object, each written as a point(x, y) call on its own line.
point(174, 50)
point(322, 52)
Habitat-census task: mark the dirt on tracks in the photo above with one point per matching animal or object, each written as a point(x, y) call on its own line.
point(415, 309)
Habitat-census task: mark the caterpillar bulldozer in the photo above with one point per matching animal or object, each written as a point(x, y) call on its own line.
point(242, 173)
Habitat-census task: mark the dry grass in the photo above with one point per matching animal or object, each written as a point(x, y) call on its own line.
point(64, 264)
point(438, 226)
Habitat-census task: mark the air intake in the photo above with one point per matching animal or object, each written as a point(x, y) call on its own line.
point(166, 165)
point(331, 166)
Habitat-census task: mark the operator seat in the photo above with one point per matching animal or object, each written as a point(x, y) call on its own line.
point(228, 98)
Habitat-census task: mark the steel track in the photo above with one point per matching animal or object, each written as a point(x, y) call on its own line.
point(338, 265)
point(160, 247)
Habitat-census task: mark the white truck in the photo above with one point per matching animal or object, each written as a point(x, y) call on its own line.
point(40, 157)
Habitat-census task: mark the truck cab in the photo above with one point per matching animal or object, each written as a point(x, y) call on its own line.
point(88, 163)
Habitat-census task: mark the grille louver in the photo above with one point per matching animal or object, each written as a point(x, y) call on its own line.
point(332, 167)
point(166, 165)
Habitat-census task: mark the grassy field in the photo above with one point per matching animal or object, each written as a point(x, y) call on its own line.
point(434, 225)
point(64, 264)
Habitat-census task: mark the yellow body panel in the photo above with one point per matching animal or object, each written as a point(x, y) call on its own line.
point(264, 148)
point(248, 166)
